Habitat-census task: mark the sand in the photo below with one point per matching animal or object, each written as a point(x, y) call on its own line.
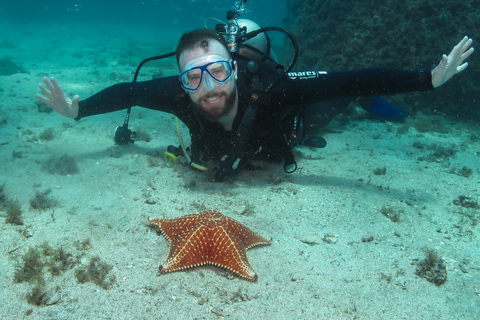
point(334, 254)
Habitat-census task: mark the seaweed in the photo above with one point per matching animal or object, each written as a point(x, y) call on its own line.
point(380, 171)
point(438, 153)
point(141, 135)
point(390, 213)
point(386, 277)
point(40, 298)
point(64, 165)
point(464, 172)
point(84, 245)
point(12, 208)
point(31, 265)
point(8, 67)
point(17, 154)
point(42, 201)
point(47, 134)
point(63, 258)
point(43, 108)
point(58, 259)
point(432, 268)
point(466, 202)
point(430, 123)
point(153, 162)
point(30, 269)
point(3, 197)
point(14, 212)
point(249, 209)
point(96, 271)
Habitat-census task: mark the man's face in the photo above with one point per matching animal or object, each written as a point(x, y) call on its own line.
point(212, 99)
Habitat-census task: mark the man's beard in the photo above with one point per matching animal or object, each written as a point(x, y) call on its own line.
point(230, 99)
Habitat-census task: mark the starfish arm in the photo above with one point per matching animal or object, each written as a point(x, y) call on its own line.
point(230, 253)
point(248, 237)
point(172, 227)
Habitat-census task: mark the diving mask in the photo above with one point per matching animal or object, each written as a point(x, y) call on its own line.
point(218, 70)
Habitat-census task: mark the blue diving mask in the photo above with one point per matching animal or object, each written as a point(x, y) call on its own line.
point(219, 71)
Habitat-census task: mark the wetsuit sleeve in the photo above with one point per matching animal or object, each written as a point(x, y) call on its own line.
point(163, 94)
point(304, 88)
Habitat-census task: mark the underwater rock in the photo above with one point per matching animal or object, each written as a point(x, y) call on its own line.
point(341, 35)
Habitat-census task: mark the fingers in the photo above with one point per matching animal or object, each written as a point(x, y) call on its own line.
point(48, 83)
point(57, 87)
point(460, 47)
point(443, 62)
point(466, 44)
point(75, 100)
point(462, 67)
point(44, 90)
point(53, 86)
point(468, 53)
point(461, 52)
point(49, 99)
point(43, 99)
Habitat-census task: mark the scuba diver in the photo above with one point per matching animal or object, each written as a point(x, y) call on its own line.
point(240, 106)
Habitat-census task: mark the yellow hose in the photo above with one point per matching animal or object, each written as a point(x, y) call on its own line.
point(185, 153)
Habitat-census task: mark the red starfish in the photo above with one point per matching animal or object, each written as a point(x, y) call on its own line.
point(208, 238)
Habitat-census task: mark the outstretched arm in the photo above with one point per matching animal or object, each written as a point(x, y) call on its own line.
point(453, 63)
point(57, 99)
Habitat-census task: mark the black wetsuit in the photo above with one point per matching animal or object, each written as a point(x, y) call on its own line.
point(268, 135)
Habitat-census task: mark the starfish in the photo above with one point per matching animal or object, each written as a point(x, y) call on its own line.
point(208, 238)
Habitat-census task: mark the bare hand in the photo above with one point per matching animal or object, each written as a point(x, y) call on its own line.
point(57, 99)
point(453, 63)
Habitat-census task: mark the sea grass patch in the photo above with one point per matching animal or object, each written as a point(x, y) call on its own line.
point(9, 67)
point(63, 165)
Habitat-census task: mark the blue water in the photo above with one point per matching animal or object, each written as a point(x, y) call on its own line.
point(159, 13)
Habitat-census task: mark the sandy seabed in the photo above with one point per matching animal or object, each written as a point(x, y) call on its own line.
point(349, 227)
